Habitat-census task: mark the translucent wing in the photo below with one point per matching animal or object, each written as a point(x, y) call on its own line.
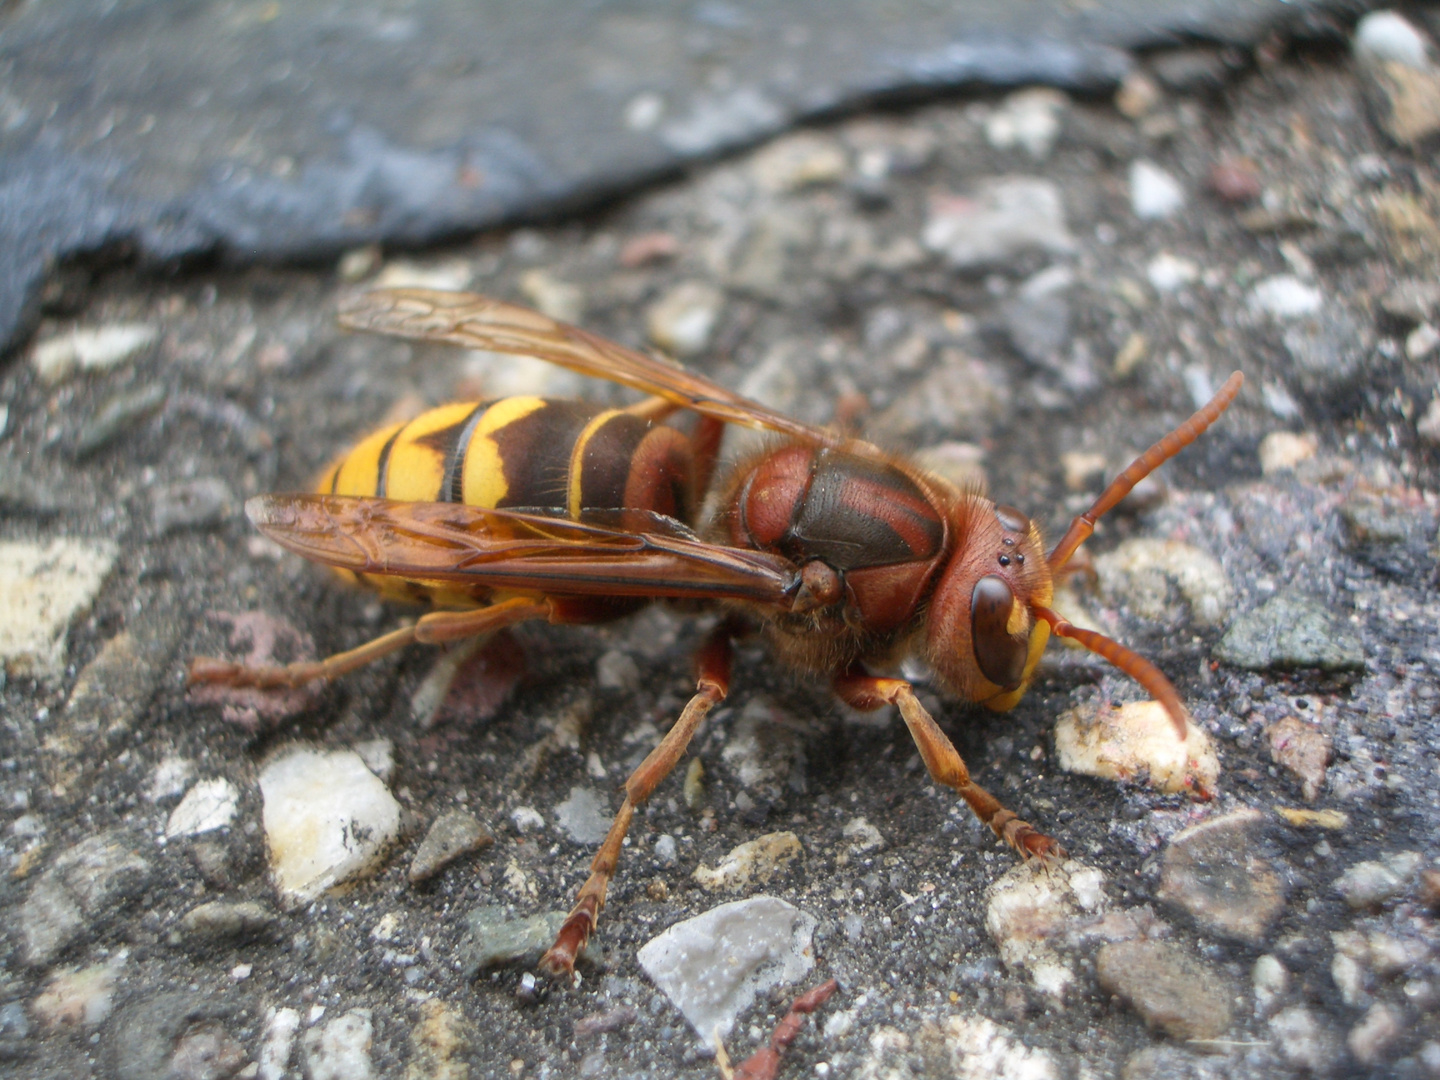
point(480, 322)
point(507, 549)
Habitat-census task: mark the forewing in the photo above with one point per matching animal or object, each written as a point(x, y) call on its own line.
point(480, 322)
point(504, 549)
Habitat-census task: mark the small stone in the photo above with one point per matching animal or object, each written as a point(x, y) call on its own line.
point(1387, 36)
point(448, 275)
point(755, 862)
point(800, 160)
point(1218, 872)
point(1080, 468)
point(225, 920)
point(1271, 981)
point(1027, 912)
point(1235, 179)
point(378, 756)
point(1422, 341)
point(693, 788)
point(43, 587)
point(1286, 297)
point(1303, 750)
point(495, 938)
point(712, 967)
point(616, 670)
point(192, 504)
point(683, 320)
point(277, 1042)
point(1038, 317)
point(1368, 885)
point(118, 416)
point(1139, 95)
point(1410, 302)
point(1130, 356)
point(1154, 193)
point(862, 835)
point(1283, 450)
point(584, 816)
point(454, 833)
point(1170, 989)
point(1141, 573)
point(328, 820)
point(209, 805)
point(1319, 819)
point(666, 849)
point(438, 1043)
point(96, 348)
point(1030, 119)
point(1402, 81)
point(977, 1048)
point(764, 751)
point(1304, 1041)
point(1291, 631)
point(85, 885)
point(1373, 1035)
point(561, 300)
point(78, 997)
point(1136, 743)
point(648, 248)
point(526, 819)
point(359, 263)
point(1167, 272)
point(179, 1036)
point(339, 1049)
point(1007, 216)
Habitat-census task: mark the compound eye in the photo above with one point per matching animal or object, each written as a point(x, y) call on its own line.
point(1012, 520)
point(999, 653)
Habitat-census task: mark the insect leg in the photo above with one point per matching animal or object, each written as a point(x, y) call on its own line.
point(944, 762)
point(711, 687)
point(434, 628)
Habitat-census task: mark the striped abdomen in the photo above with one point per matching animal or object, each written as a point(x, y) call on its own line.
point(521, 453)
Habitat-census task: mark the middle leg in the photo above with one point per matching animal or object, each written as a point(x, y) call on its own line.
point(712, 685)
point(864, 691)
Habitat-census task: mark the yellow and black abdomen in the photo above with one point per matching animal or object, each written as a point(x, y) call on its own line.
point(531, 453)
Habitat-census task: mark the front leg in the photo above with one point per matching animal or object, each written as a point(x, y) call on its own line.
point(862, 690)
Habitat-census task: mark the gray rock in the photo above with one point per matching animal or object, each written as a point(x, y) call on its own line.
point(1371, 883)
point(1171, 989)
point(584, 816)
point(173, 1035)
point(225, 920)
point(192, 504)
point(1219, 873)
point(1291, 631)
point(83, 887)
point(495, 938)
point(117, 416)
point(713, 966)
point(1006, 217)
point(454, 833)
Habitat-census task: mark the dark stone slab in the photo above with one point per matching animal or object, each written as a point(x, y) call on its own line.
point(291, 131)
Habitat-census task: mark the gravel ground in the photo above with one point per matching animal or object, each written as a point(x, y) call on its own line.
point(1034, 287)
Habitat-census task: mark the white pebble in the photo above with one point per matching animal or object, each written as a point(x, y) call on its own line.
point(1271, 981)
point(340, 1050)
point(682, 321)
point(666, 850)
point(712, 967)
point(90, 349)
point(1286, 297)
point(1136, 742)
point(526, 819)
point(170, 778)
point(756, 861)
point(1028, 912)
point(1167, 272)
point(1282, 450)
point(1154, 193)
point(378, 755)
point(1421, 341)
point(447, 274)
point(1029, 118)
point(328, 819)
point(1388, 35)
point(42, 588)
point(276, 1043)
point(207, 806)
point(584, 816)
point(616, 670)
